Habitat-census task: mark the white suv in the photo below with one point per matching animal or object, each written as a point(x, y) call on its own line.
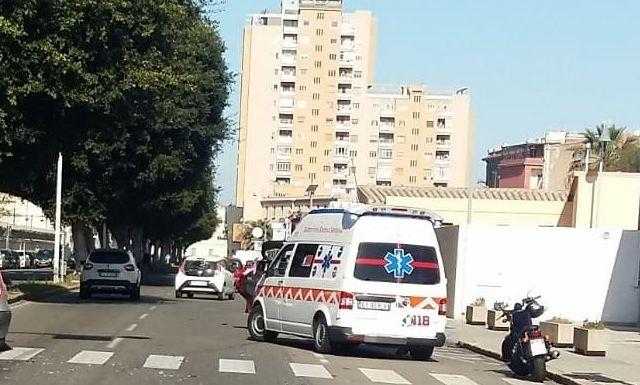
point(110, 270)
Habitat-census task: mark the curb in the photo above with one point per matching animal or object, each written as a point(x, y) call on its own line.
point(44, 294)
point(559, 378)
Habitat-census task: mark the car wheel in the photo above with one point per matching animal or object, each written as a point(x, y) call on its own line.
point(190, 295)
point(232, 296)
point(178, 294)
point(221, 295)
point(421, 353)
point(136, 293)
point(257, 326)
point(84, 292)
point(321, 341)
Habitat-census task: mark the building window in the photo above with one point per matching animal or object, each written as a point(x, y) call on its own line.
point(316, 80)
point(333, 56)
point(429, 140)
point(416, 115)
point(356, 106)
point(372, 154)
point(314, 144)
point(374, 123)
point(318, 64)
point(282, 166)
point(439, 185)
point(357, 74)
point(334, 41)
point(353, 153)
point(332, 73)
point(429, 123)
point(413, 163)
point(283, 180)
point(298, 167)
point(315, 112)
point(354, 121)
point(327, 152)
point(386, 153)
point(316, 96)
point(305, 22)
point(341, 151)
point(314, 128)
point(326, 168)
point(312, 175)
point(442, 123)
point(299, 151)
point(412, 179)
point(415, 131)
point(417, 98)
point(319, 32)
point(320, 16)
point(383, 183)
point(318, 48)
point(334, 24)
point(313, 160)
point(414, 147)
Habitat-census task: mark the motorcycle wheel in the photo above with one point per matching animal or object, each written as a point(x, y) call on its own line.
point(518, 367)
point(507, 347)
point(539, 372)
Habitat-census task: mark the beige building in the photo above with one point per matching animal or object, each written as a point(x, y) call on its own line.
point(310, 115)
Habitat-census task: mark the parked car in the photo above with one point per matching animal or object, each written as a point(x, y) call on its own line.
point(12, 259)
point(43, 258)
point(5, 314)
point(110, 270)
point(23, 259)
point(204, 276)
point(358, 275)
point(4, 259)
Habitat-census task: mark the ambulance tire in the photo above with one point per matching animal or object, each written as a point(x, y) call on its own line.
point(321, 341)
point(257, 327)
point(421, 353)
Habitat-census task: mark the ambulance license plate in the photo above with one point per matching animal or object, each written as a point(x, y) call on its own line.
point(373, 305)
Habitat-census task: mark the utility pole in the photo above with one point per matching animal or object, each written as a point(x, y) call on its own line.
point(56, 250)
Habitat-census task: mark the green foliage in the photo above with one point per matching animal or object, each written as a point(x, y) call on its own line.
point(595, 325)
point(628, 157)
point(608, 150)
point(131, 93)
point(560, 320)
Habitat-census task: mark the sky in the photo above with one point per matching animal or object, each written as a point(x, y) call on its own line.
point(532, 66)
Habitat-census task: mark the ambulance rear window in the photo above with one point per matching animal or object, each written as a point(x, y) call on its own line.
point(398, 263)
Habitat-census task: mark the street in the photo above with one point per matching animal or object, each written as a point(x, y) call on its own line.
point(110, 340)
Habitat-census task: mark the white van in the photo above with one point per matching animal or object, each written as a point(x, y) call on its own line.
point(357, 275)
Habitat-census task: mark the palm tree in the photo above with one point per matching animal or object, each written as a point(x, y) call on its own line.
point(608, 150)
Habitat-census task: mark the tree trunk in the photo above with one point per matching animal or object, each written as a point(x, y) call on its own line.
point(83, 242)
point(137, 243)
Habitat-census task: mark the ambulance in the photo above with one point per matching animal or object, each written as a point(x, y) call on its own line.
point(354, 275)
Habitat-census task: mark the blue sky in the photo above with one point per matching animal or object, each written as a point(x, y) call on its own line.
point(532, 66)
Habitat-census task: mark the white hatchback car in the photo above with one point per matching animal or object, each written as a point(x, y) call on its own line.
point(204, 276)
point(110, 270)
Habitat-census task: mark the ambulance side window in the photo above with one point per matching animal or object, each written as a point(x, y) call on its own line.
point(303, 260)
point(279, 266)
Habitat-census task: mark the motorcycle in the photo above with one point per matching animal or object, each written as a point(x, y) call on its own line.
point(525, 348)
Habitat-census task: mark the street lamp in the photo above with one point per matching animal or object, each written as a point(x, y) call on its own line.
point(604, 140)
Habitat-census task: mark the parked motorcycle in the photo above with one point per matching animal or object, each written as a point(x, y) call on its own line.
point(525, 348)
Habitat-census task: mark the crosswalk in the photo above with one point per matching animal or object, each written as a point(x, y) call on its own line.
point(248, 367)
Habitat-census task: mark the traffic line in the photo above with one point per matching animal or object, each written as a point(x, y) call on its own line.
point(145, 315)
point(114, 343)
point(453, 379)
point(152, 308)
point(20, 354)
point(309, 370)
point(236, 366)
point(384, 376)
point(89, 357)
point(163, 362)
point(131, 327)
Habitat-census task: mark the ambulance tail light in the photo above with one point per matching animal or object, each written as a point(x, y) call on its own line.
point(442, 306)
point(346, 301)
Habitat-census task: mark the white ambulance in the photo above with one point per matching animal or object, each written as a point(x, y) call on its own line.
point(356, 275)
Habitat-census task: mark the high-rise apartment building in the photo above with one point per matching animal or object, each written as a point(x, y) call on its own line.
point(310, 118)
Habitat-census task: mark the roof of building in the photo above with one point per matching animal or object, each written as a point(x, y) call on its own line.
point(378, 194)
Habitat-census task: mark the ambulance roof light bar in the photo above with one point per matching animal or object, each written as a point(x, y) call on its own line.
point(364, 209)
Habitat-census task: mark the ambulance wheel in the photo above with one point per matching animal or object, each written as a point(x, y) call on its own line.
point(321, 341)
point(232, 296)
point(190, 295)
point(421, 353)
point(257, 327)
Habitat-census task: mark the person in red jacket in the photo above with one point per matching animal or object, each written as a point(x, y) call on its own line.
point(240, 283)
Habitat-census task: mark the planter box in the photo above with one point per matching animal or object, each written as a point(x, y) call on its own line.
point(560, 335)
point(495, 322)
point(476, 315)
point(590, 342)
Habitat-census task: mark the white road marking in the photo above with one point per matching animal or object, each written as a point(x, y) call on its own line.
point(20, 354)
point(163, 362)
point(384, 376)
point(145, 315)
point(236, 366)
point(20, 304)
point(114, 343)
point(308, 370)
point(152, 308)
point(89, 357)
point(131, 327)
point(453, 379)
point(516, 381)
point(324, 361)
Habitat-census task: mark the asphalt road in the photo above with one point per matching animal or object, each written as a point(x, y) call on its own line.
point(163, 340)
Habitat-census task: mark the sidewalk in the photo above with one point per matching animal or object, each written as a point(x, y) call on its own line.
point(621, 366)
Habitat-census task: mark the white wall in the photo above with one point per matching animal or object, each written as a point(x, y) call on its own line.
point(570, 268)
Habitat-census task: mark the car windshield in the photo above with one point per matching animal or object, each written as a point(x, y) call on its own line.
point(200, 267)
point(44, 254)
point(398, 263)
point(109, 257)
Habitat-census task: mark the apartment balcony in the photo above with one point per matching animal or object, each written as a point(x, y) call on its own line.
point(387, 112)
point(344, 109)
point(341, 173)
point(286, 106)
point(346, 76)
point(289, 44)
point(348, 29)
point(283, 173)
point(343, 126)
point(441, 160)
point(386, 143)
point(286, 124)
point(288, 77)
point(341, 157)
point(287, 29)
point(284, 139)
point(288, 59)
point(386, 127)
point(443, 144)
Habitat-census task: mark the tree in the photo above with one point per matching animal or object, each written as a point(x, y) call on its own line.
point(131, 92)
point(629, 157)
point(606, 150)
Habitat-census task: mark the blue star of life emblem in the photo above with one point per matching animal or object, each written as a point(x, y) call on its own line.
point(326, 262)
point(399, 263)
